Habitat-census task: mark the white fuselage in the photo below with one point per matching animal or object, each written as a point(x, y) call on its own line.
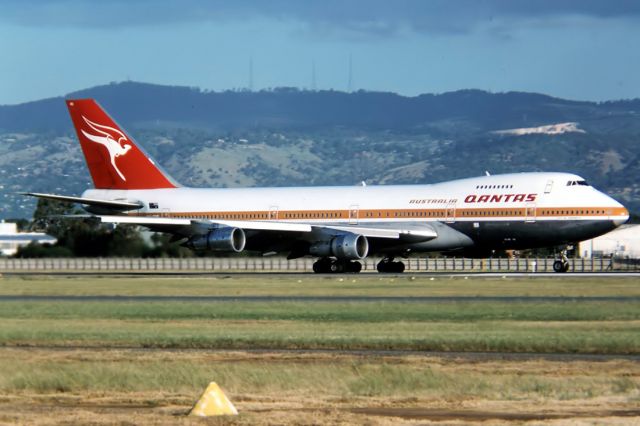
point(508, 197)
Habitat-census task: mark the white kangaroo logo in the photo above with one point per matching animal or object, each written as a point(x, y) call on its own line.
point(115, 148)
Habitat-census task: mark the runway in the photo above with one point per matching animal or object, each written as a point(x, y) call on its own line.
point(323, 299)
point(422, 274)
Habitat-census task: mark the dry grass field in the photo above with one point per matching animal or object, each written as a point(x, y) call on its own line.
point(113, 361)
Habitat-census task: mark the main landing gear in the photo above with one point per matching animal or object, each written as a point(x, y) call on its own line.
point(326, 265)
point(562, 264)
point(387, 265)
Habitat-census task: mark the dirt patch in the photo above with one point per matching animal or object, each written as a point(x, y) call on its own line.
point(610, 395)
point(481, 416)
point(140, 410)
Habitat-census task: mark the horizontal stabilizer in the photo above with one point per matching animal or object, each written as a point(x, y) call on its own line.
point(111, 204)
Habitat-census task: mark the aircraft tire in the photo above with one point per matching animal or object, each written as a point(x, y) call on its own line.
point(355, 267)
point(560, 266)
point(390, 267)
point(322, 266)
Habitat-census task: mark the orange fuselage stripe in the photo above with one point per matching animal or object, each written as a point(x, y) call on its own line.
point(446, 213)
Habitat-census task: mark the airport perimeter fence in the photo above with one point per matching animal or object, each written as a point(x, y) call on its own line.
point(278, 264)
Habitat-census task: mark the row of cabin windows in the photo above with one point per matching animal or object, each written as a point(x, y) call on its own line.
point(571, 212)
point(406, 214)
point(317, 215)
point(491, 213)
point(225, 216)
point(419, 214)
point(494, 186)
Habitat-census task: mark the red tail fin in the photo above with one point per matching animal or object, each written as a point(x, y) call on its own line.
point(114, 160)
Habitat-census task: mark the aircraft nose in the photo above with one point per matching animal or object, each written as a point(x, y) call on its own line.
point(621, 217)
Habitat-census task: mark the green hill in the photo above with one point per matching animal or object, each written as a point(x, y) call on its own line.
point(292, 137)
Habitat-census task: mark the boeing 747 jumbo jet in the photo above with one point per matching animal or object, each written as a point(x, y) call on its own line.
point(339, 225)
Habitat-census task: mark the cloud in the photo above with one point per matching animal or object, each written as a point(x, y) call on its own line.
point(381, 18)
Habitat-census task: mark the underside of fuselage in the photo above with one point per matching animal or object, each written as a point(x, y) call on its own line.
point(481, 237)
point(495, 235)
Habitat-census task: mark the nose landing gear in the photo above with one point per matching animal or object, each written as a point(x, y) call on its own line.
point(561, 265)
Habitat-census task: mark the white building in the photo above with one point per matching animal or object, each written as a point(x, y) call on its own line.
point(11, 239)
point(623, 242)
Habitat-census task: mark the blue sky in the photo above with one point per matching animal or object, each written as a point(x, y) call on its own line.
point(576, 49)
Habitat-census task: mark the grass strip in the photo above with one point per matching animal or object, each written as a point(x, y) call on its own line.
point(611, 337)
point(310, 285)
point(362, 312)
point(337, 378)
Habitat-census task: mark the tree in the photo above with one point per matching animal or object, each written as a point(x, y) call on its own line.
point(47, 217)
point(87, 237)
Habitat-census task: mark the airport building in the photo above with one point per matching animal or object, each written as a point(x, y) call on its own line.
point(11, 239)
point(623, 242)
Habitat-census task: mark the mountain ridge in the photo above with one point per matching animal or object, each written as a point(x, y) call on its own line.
point(139, 102)
point(294, 137)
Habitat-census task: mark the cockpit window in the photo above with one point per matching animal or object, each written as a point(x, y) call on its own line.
point(577, 182)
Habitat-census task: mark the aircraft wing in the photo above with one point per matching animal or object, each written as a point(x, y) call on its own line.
point(393, 232)
point(244, 224)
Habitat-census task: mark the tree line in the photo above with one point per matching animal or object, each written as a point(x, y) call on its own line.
point(87, 237)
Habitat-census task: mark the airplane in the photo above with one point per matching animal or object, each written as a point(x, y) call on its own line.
point(338, 225)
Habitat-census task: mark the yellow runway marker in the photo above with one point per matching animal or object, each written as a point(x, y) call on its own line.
point(213, 402)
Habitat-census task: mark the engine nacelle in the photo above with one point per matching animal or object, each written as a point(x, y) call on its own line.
point(221, 239)
point(344, 246)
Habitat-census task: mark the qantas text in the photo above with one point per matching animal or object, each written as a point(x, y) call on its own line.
point(501, 198)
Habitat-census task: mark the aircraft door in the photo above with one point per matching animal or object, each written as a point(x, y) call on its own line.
point(273, 212)
point(353, 214)
point(530, 212)
point(450, 215)
point(548, 187)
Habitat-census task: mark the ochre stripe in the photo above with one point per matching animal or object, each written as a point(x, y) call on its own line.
point(443, 213)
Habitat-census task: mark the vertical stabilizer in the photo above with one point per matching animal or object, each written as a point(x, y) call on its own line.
point(113, 158)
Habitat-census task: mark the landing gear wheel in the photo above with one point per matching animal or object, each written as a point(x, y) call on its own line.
point(336, 266)
point(322, 266)
point(560, 266)
point(354, 267)
point(388, 266)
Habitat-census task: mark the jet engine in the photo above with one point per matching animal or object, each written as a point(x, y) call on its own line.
point(222, 239)
point(343, 246)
